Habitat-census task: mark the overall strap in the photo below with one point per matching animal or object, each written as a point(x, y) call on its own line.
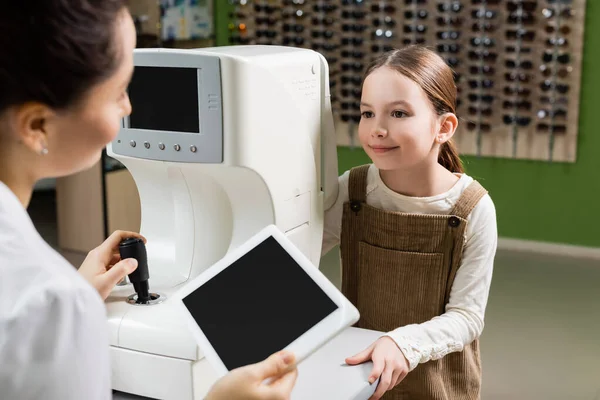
point(357, 184)
point(468, 200)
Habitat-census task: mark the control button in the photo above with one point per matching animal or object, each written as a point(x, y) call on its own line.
point(161, 146)
point(193, 148)
point(177, 147)
point(147, 145)
point(132, 143)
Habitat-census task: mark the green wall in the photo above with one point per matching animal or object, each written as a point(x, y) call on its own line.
point(534, 200)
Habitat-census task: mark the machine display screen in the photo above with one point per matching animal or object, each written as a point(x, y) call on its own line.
point(165, 98)
point(258, 305)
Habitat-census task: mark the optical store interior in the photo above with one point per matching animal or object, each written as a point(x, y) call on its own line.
point(527, 132)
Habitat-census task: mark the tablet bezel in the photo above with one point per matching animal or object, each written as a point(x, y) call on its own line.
point(306, 344)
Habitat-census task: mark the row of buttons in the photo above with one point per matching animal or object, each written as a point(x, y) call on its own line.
point(161, 146)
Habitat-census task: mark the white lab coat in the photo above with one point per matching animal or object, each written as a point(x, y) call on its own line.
point(53, 331)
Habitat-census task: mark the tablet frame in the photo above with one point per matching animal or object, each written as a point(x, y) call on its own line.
point(303, 346)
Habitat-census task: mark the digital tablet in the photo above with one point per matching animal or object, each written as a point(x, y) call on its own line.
point(260, 298)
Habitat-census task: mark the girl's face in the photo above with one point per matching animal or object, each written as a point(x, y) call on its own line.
point(398, 128)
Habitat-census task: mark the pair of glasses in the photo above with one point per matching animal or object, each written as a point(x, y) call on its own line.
point(483, 69)
point(560, 72)
point(448, 35)
point(484, 83)
point(521, 5)
point(356, 80)
point(519, 91)
point(448, 48)
point(520, 65)
point(293, 14)
point(484, 14)
point(552, 12)
point(408, 41)
point(517, 76)
point(265, 8)
point(388, 21)
point(420, 14)
point(265, 21)
point(324, 7)
point(551, 128)
point(347, 106)
point(516, 120)
point(482, 41)
point(519, 105)
point(322, 20)
point(415, 28)
point(356, 41)
point(354, 28)
point(380, 33)
point(480, 127)
point(564, 29)
point(521, 34)
point(484, 98)
point(452, 61)
point(480, 111)
point(483, 27)
point(348, 118)
point(356, 14)
point(562, 58)
point(324, 46)
point(293, 28)
point(388, 8)
point(549, 85)
point(554, 100)
point(558, 113)
point(385, 48)
point(449, 21)
point(324, 34)
point(351, 92)
point(293, 40)
point(353, 54)
point(518, 17)
point(265, 33)
point(557, 41)
point(354, 66)
point(483, 55)
point(517, 49)
point(455, 6)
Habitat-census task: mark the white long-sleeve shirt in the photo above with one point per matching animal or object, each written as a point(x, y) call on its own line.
point(53, 331)
point(463, 319)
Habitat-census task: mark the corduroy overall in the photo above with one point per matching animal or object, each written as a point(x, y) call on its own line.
point(398, 269)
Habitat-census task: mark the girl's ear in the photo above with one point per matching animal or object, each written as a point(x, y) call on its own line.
point(448, 125)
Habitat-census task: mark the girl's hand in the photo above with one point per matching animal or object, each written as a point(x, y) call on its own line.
point(389, 363)
point(103, 267)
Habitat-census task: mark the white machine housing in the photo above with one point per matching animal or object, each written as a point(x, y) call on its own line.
point(264, 153)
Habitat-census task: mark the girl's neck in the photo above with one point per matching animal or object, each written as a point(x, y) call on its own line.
point(420, 181)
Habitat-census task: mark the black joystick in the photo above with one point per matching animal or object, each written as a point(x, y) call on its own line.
point(135, 248)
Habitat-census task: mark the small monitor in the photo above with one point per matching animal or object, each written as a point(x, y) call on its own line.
point(263, 297)
point(165, 99)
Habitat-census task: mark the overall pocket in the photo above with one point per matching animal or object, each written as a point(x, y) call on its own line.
point(397, 288)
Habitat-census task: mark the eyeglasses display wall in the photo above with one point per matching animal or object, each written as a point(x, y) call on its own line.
point(517, 63)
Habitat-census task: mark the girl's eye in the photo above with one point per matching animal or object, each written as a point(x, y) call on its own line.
point(367, 114)
point(398, 114)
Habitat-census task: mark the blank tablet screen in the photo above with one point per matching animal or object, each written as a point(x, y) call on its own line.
point(258, 305)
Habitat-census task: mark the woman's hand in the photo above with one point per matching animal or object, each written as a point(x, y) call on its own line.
point(103, 267)
point(389, 363)
point(247, 383)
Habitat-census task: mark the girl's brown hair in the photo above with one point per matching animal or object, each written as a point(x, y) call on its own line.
point(434, 76)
